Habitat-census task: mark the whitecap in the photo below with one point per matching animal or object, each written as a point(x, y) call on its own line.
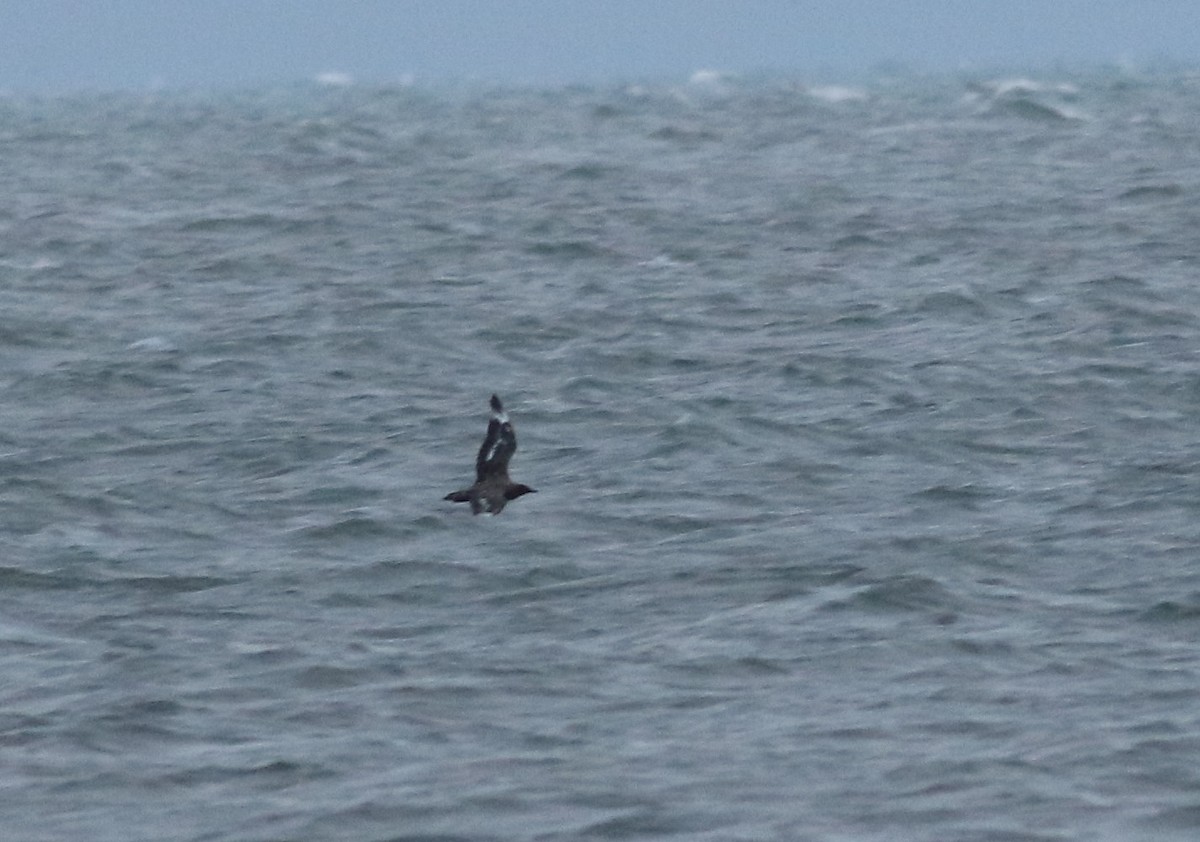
point(334, 79)
point(706, 77)
point(837, 93)
point(154, 344)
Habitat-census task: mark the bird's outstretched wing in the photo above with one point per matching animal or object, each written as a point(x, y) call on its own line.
point(498, 446)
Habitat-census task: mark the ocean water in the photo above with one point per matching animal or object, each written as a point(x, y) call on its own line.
point(863, 421)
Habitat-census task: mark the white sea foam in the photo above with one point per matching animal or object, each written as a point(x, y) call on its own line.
point(837, 93)
point(334, 79)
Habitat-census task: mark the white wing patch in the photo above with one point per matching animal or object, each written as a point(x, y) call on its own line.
point(501, 417)
point(492, 450)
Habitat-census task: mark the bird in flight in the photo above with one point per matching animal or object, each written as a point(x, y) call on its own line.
point(493, 488)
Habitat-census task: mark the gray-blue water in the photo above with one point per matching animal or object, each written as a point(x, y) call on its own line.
point(863, 422)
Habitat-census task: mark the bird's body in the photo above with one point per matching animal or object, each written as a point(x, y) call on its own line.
point(493, 488)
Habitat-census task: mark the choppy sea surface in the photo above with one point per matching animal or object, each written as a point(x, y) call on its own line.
point(863, 422)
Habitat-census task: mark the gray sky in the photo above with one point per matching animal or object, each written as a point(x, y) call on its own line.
point(67, 45)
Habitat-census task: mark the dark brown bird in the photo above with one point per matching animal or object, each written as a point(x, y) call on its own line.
point(493, 488)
